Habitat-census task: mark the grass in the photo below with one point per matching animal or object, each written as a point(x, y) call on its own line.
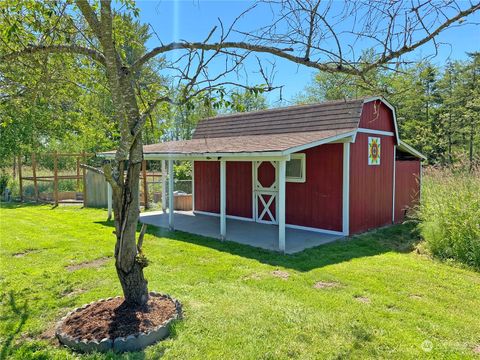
point(450, 215)
point(386, 301)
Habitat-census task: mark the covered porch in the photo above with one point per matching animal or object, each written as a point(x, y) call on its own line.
point(262, 221)
point(251, 233)
point(265, 225)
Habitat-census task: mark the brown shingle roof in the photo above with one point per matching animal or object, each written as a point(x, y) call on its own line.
point(242, 144)
point(267, 130)
point(273, 130)
point(332, 115)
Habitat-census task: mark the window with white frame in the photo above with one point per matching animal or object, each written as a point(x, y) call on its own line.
point(296, 169)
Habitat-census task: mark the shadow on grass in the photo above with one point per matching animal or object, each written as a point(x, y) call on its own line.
point(397, 238)
point(13, 321)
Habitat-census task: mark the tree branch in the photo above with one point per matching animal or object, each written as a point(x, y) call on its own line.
point(56, 49)
point(431, 35)
point(143, 117)
point(92, 168)
point(280, 52)
point(90, 17)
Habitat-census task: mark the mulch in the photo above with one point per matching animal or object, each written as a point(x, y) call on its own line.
point(113, 318)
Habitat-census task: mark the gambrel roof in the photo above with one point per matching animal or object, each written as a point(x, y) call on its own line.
point(272, 132)
point(332, 116)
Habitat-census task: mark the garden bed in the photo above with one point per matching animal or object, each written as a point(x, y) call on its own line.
point(110, 324)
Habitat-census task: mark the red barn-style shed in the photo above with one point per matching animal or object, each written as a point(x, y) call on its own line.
point(336, 167)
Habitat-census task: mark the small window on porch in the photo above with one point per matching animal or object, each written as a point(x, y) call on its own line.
point(295, 170)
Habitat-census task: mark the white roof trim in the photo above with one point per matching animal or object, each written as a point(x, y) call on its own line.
point(376, 132)
point(391, 107)
point(330, 139)
point(283, 155)
point(407, 148)
point(240, 156)
point(401, 145)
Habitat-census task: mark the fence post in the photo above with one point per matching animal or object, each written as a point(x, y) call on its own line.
point(55, 177)
point(34, 172)
point(78, 172)
point(20, 184)
point(145, 189)
point(84, 177)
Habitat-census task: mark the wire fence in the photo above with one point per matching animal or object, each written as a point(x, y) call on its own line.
point(61, 177)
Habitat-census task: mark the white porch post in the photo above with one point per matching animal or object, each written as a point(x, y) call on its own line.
point(346, 190)
point(164, 186)
point(170, 194)
point(109, 200)
point(193, 185)
point(281, 204)
point(223, 199)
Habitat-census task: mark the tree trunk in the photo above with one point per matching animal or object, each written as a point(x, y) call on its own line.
point(124, 174)
point(128, 264)
point(134, 285)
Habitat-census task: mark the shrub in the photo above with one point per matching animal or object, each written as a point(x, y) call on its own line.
point(450, 215)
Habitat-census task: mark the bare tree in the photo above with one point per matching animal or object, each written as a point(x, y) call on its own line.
point(317, 34)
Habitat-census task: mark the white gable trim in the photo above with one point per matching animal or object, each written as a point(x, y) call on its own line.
point(345, 137)
point(376, 132)
point(407, 148)
point(401, 145)
point(390, 106)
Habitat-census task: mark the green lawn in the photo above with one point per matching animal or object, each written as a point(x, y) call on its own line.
point(387, 300)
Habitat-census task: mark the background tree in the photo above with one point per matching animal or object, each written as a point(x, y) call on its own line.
point(309, 33)
point(432, 104)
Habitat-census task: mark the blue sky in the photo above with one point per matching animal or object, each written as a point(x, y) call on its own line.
point(192, 21)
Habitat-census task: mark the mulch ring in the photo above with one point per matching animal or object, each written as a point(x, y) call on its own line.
point(112, 318)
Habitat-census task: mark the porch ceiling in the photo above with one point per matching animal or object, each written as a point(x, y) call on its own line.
point(244, 232)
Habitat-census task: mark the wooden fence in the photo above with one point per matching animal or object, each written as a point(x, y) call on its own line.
point(57, 197)
point(94, 187)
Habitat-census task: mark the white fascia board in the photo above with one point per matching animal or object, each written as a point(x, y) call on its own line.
point(407, 148)
point(391, 107)
point(253, 156)
point(347, 137)
point(375, 132)
point(245, 156)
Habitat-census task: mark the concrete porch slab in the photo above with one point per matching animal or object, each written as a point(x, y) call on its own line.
point(264, 236)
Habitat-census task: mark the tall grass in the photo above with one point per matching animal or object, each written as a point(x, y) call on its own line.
point(450, 215)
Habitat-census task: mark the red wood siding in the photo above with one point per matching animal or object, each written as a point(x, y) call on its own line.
point(318, 202)
point(407, 186)
point(371, 186)
point(207, 186)
point(239, 188)
point(376, 115)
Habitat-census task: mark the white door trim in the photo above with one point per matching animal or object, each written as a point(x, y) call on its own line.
point(259, 191)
